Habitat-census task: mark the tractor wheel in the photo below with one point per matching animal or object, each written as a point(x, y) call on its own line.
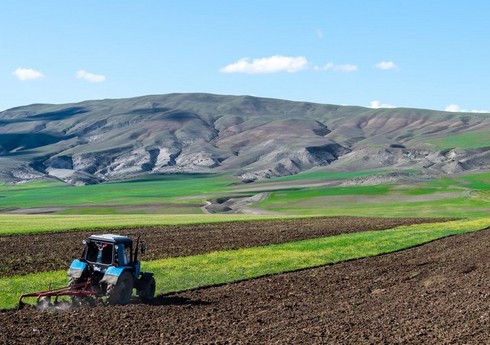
point(120, 293)
point(146, 292)
point(72, 281)
point(76, 301)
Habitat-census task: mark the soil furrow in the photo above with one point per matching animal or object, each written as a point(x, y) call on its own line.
point(437, 293)
point(23, 254)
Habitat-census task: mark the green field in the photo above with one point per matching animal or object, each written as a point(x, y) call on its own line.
point(468, 140)
point(323, 174)
point(25, 224)
point(151, 190)
point(311, 193)
point(463, 196)
point(176, 274)
point(182, 190)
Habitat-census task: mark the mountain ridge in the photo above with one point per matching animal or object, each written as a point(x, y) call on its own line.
point(251, 137)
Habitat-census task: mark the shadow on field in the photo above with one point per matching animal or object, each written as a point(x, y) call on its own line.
point(176, 300)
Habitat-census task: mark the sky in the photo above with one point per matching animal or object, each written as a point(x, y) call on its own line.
point(379, 53)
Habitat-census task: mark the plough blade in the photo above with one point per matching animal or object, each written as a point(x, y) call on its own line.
point(44, 297)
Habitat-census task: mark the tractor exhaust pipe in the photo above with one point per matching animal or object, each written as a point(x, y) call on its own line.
point(136, 250)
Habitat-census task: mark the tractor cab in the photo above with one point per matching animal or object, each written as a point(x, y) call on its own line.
point(107, 250)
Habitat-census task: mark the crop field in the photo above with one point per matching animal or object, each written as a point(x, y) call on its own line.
point(312, 193)
point(463, 196)
point(223, 282)
point(109, 196)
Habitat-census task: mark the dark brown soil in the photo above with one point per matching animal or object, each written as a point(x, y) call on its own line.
point(438, 293)
point(52, 251)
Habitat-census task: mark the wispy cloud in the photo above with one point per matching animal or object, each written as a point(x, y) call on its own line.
point(90, 77)
point(377, 104)
point(273, 64)
point(386, 65)
point(340, 68)
point(319, 33)
point(280, 63)
point(27, 74)
point(454, 108)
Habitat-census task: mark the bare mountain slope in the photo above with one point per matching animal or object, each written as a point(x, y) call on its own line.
point(96, 141)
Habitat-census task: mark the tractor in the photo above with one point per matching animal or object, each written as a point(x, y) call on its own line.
point(108, 267)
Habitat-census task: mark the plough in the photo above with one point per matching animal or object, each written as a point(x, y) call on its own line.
point(44, 297)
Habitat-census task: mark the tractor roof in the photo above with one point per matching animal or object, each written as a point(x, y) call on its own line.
point(111, 238)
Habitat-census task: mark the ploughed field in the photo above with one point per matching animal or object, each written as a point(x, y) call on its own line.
point(435, 293)
point(23, 254)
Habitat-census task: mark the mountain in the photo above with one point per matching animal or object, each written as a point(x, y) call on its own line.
point(253, 138)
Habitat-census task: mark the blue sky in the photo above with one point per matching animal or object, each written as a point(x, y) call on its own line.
point(412, 53)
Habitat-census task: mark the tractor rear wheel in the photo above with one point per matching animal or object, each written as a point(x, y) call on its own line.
point(120, 293)
point(146, 290)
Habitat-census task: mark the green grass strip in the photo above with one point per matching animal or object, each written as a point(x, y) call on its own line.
point(182, 273)
point(325, 175)
point(468, 140)
point(28, 224)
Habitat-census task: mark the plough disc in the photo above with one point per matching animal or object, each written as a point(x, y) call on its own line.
point(44, 297)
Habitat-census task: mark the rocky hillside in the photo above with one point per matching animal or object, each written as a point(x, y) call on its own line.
point(254, 138)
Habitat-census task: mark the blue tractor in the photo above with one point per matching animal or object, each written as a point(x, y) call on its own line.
point(109, 267)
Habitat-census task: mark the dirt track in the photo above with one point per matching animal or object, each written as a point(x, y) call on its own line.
point(438, 293)
point(45, 252)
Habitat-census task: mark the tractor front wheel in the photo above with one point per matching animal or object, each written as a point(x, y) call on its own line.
point(77, 301)
point(120, 293)
point(73, 281)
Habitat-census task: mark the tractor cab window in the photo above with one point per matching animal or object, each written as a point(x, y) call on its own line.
point(127, 255)
point(123, 254)
point(99, 252)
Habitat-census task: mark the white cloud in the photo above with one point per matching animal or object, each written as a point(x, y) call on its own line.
point(454, 108)
point(319, 33)
point(345, 68)
point(273, 64)
point(91, 77)
point(341, 68)
point(279, 63)
point(27, 74)
point(377, 104)
point(386, 65)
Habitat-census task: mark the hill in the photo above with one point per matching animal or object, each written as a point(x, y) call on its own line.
point(254, 138)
